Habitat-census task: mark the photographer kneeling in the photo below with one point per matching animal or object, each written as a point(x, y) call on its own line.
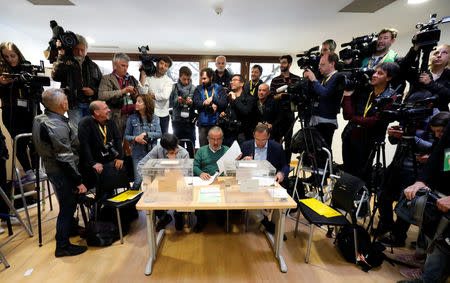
point(57, 145)
point(101, 149)
point(365, 127)
point(436, 176)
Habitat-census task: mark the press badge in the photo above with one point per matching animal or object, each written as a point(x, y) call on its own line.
point(22, 102)
point(447, 160)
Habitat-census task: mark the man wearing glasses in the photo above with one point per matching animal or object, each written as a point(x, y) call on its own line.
point(205, 165)
point(261, 148)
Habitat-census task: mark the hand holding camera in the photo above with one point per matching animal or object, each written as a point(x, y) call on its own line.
point(395, 131)
point(129, 89)
point(141, 138)
point(309, 75)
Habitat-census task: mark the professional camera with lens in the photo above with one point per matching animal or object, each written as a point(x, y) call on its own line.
point(408, 113)
point(231, 125)
point(148, 61)
point(357, 78)
point(28, 76)
point(300, 93)
point(108, 150)
point(149, 141)
point(68, 41)
point(309, 59)
point(209, 110)
point(359, 48)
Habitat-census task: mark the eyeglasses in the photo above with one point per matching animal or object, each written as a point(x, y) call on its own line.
point(216, 140)
point(264, 140)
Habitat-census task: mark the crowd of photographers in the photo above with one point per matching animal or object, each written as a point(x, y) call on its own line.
point(114, 117)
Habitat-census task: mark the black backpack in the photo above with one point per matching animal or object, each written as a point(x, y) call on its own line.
point(369, 255)
point(101, 233)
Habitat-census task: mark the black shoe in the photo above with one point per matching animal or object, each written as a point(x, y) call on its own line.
point(162, 223)
point(284, 237)
point(391, 241)
point(69, 250)
point(178, 220)
point(199, 227)
point(268, 225)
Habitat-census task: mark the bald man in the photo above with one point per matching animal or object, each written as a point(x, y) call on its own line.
point(57, 145)
point(268, 110)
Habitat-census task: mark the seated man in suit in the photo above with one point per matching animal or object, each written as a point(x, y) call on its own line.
point(261, 148)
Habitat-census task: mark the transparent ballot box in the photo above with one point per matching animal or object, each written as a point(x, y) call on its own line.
point(253, 179)
point(168, 180)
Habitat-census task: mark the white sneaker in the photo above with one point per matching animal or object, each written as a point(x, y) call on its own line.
point(2, 230)
point(30, 174)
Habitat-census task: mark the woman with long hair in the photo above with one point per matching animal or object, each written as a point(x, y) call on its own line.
point(142, 131)
point(17, 104)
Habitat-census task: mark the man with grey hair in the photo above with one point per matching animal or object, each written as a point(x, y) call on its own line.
point(222, 76)
point(79, 77)
point(57, 144)
point(119, 90)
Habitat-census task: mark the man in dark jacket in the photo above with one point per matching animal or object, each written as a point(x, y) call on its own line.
point(261, 148)
point(57, 144)
point(267, 109)
point(80, 77)
point(101, 144)
point(222, 76)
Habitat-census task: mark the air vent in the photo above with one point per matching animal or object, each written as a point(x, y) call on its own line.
point(365, 6)
point(52, 2)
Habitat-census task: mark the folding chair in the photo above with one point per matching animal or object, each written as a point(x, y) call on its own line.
point(348, 196)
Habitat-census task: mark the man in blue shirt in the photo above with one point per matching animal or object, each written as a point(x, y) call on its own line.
point(327, 97)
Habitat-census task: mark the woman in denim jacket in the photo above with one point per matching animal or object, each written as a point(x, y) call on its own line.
point(142, 131)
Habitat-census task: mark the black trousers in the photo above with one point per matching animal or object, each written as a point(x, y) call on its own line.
point(326, 130)
point(164, 123)
point(185, 130)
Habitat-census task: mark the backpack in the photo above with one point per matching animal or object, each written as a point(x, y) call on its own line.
point(369, 256)
point(101, 233)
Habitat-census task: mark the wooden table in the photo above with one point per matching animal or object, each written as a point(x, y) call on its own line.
point(279, 207)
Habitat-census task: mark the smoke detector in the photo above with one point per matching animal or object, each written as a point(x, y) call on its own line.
point(218, 11)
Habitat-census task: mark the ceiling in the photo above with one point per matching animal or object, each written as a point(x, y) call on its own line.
point(245, 27)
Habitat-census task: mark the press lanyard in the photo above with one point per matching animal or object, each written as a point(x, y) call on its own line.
point(206, 92)
point(381, 61)
point(252, 88)
point(368, 106)
point(103, 131)
point(328, 78)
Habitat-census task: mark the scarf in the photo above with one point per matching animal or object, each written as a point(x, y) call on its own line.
point(183, 91)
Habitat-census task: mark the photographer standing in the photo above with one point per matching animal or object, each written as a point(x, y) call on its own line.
point(382, 53)
point(365, 127)
point(159, 87)
point(183, 118)
point(57, 144)
point(142, 132)
point(327, 97)
point(236, 120)
point(284, 132)
point(209, 100)
point(17, 105)
point(79, 77)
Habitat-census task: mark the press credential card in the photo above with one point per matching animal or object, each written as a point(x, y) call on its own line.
point(447, 160)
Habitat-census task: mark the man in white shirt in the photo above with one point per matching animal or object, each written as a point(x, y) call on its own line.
point(159, 86)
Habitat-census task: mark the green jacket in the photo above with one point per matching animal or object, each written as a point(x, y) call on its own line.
point(391, 55)
point(206, 161)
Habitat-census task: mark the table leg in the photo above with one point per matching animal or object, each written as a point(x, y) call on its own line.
point(277, 241)
point(153, 242)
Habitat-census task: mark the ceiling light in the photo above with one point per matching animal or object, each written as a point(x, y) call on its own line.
point(413, 2)
point(90, 40)
point(210, 43)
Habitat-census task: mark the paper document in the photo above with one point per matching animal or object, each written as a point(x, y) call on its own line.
point(247, 165)
point(320, 208)
point(130, 194)
point(170, 162)
point(209, 194)
point(232, 153)
point(265, 181)
point(197, 181)
point(278, 193)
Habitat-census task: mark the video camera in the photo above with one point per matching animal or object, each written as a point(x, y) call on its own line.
point(357, 78)
point(409, 113)
point(28, 75)
point(360, 48)
point(309, 59)
point(68, 41)
point(148, 61)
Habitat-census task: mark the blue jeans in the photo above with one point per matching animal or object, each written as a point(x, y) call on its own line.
point(65, 193)
point(137, 176)
point(75, 115)
point(436, 266)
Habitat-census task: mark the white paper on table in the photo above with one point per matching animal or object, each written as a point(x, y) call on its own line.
point(210, 190)
point(209, 195)
point(265, 181)
point(232, 153)
point(278, 193)
point(247, 165)
point(197, 181)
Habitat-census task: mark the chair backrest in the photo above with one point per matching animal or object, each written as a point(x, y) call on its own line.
point(188, 145)
point(346, 191)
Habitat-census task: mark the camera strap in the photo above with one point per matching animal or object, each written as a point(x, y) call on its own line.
point(377, 61)
point(103, 131)
point(368, 105)
point(213, 92)
point(253, 87)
